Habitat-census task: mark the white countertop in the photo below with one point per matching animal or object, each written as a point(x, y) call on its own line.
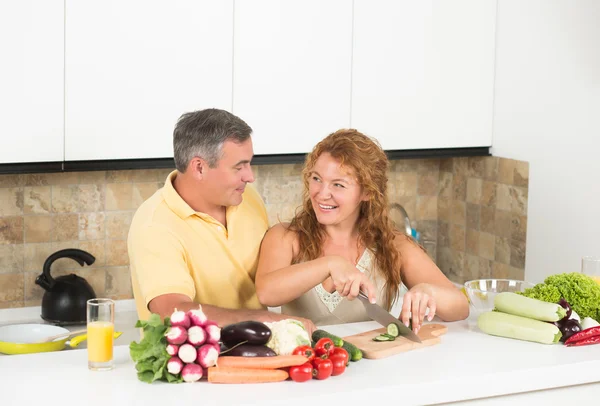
point(467, 364)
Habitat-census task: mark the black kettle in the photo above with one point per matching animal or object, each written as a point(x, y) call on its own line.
point(66, 297)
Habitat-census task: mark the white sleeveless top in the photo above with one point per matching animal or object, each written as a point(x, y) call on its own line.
point(325, 308)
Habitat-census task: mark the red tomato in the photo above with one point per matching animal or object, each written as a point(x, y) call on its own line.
point(301, 373)
point(340, 352)
point(339, 364)
point(324, 347)
point(306, 351)
point(323, 367)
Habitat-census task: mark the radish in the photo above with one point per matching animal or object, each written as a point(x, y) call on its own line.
point(176, 335)
point(197, 317)
point(214, 333)
point(207, 356)
point(196, 335)
point(187, 353)
point(217, 347)
point(172, 349)
point(174, 365)
point(192, 372)
point(181, 319)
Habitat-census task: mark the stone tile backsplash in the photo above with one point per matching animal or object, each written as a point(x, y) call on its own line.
point(471, 213)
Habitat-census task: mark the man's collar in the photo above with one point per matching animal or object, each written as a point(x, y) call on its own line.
point(174, 201)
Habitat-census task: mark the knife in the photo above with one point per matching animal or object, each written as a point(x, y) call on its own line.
point(383, 317)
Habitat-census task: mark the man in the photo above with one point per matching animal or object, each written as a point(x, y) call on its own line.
point(196, 240)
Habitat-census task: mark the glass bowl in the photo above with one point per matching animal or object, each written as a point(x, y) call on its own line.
point(481, 292)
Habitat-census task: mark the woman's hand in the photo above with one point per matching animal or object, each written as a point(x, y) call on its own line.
point(416, 302)
point(348, 280)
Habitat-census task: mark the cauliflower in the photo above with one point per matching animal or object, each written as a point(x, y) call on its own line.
point(286, 335)
point(581, 291)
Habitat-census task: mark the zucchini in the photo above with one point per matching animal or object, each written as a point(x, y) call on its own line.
point(318, 334)
point(517, 327)
point(518, 305)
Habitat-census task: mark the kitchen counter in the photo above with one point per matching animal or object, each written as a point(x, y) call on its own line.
point(468, 367)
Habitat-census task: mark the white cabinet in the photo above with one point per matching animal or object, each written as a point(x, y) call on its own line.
point(133, 67)
point(31, 81)
point(292, 64)
point(423, 72)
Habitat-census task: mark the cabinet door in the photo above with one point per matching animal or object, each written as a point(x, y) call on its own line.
point(292, 62)
point(31, 81)
point(423, 72)
point(133, 67)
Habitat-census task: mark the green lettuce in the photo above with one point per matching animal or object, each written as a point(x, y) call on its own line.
point(581, 291)
point(150, 354)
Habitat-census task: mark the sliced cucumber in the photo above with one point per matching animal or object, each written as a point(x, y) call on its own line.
point(393, 330)
point(383, 337)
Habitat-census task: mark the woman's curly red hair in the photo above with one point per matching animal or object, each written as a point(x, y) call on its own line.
point(376, 231)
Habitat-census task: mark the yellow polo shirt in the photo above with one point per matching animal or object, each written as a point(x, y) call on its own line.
point(173, 249)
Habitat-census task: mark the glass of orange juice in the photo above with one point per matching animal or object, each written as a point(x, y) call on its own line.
point(100, 330)
point(591, 266)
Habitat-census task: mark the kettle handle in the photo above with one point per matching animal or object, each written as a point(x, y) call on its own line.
point(46, 281)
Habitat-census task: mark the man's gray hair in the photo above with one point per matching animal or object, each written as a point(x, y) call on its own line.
point(202, 134)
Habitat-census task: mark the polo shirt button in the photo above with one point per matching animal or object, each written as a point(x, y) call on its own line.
point(220, 228)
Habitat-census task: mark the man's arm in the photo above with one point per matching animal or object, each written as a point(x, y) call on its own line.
point(164, 305)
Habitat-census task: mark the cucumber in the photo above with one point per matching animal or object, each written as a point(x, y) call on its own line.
point(318, 334)
point(393, 330)
point(353, 351)
point(383, 337)
point(518, 305)
point(517, 327)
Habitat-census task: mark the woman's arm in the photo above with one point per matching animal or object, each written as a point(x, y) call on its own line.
point(279, 282)
point(426, 281)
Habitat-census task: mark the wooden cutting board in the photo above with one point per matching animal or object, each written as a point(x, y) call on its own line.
point(429, 335)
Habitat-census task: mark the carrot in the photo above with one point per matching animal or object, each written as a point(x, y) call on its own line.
point(279, 361)
point(245, 375)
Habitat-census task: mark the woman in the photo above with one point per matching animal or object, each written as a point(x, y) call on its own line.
point(342, 241)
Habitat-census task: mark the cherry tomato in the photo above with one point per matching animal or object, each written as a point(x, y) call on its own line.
point(339, 364)
point(323, 367)
point(306, 351)
point(324, 347)
point(340, 352)
point(301, 373)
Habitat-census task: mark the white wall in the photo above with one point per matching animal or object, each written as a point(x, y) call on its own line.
point(547, 112)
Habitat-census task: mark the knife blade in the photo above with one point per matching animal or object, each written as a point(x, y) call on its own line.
point(383, 317)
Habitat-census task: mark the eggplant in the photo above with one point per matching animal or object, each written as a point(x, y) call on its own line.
point(249, 350)
point(249, 332)
point(568, 328)
point(563, 303)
